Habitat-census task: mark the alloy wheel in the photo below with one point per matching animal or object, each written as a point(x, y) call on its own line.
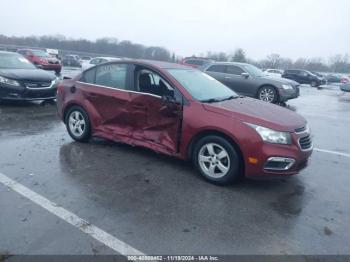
point(214, 160)
point(76, 123)
point(267, 94)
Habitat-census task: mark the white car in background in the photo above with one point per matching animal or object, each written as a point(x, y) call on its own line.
point(98, 60)
point(274, 72)
point(85, 59)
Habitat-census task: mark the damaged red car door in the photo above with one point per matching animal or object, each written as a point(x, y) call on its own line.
point(157, 115)
point(105, 87)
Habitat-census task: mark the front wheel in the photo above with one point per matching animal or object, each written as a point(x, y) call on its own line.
point(314, 84)
point(267, 94)
point(216, 160)
point(78, 124)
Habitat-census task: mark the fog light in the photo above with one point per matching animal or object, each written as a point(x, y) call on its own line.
point(279, 163)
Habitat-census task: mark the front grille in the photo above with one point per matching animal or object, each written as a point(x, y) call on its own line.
point(31, 94)
point(53, 62)
point(37, 84)
point(305, 142)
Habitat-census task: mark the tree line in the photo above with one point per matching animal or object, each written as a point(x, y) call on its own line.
point(107, 46)
point(113, 47)
point(337, 63)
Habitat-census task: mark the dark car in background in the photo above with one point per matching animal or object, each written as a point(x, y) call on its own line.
point(334, 78)
point(71, 60)
point(21, 80)
point(41, 59)
point(304, 77)
point(157, 105)
point(195, 61)
point(345, 87)
point(248, 80)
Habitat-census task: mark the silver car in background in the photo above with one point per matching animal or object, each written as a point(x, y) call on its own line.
point(248, 80)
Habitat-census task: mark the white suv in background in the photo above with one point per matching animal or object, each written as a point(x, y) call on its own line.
point(274, 72)
point(97, 61)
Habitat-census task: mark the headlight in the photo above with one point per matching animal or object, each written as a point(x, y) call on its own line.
point(272, 136)
point(10, 82)
point(287, 87)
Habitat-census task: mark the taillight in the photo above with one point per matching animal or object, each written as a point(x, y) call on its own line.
point(344, 80)
point(60, 89)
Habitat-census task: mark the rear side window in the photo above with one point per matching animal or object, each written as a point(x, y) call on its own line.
point(216, 68)
point(234, 70)
point(95, 61)
point(112, 75)
point(89, 76)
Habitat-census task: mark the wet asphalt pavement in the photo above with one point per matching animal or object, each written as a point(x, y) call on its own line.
point(159, 205)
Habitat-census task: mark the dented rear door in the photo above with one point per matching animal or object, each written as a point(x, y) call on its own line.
point(110, 101)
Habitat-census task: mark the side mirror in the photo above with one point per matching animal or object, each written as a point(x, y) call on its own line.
point(168, 99)
point(245, 75)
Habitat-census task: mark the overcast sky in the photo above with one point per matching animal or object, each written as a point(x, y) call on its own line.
point(292, 28)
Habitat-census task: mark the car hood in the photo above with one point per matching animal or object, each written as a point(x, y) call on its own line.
point(279, 80)
point(259, 113)
point(27, 74)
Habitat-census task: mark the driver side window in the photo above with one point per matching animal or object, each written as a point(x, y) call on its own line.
point(152, 83)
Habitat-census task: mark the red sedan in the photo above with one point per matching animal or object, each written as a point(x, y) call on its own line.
point(42, 59)
point(183, 112)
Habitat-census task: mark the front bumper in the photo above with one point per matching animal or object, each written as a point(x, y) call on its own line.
point(285, 95)
point(22, 93)
point(278, 160)
point(345, 87)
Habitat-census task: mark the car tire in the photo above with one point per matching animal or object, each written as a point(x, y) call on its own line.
point(268, 94)
point(78, 124)
point(314, 84)
point(217, 160)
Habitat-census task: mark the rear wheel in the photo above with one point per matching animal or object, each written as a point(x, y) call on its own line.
point(268, 94)
point(216, 160)
point(78, 124)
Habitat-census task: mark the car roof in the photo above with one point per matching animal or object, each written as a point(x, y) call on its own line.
point(153, 63)
point(106, 57)
point(228, 63)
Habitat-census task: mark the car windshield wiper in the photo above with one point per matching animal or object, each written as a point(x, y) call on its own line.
point(218, 99)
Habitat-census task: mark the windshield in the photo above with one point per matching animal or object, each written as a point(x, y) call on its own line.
point(253, 70)
point(14, 61)
point(40, 53)
point(200, 85)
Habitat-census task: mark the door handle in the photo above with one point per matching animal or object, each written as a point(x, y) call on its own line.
point(92, 95)
point(227, 77)
point(139, 106)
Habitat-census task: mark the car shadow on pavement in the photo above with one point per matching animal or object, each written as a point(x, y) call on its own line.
point(144, 176)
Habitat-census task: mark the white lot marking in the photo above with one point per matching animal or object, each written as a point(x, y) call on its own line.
point(93, 231)
point(332, 152)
